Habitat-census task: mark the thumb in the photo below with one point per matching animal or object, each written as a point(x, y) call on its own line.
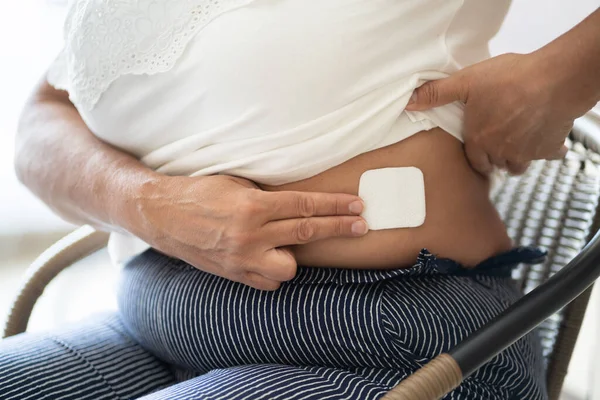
point(438, 93)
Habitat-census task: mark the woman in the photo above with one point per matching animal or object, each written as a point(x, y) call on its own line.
point(248, 272)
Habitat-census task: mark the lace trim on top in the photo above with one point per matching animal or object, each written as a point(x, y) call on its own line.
point(105, 39)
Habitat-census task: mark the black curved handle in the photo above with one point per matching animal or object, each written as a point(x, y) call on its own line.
point(532, 309)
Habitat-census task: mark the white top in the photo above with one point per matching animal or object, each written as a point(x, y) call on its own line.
point(271, 90)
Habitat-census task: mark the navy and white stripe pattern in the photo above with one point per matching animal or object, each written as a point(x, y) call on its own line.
point(327, 334)
point(359, 331)
point(96, 360)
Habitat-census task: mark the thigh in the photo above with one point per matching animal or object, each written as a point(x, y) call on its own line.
point(92, 360)
point(279, 382)
point(203, 322)
point(427, 316)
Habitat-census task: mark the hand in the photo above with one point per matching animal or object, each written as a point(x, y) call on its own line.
point(227, 226)
point(514, 111)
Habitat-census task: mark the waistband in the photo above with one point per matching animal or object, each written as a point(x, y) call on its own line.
point(427, 264)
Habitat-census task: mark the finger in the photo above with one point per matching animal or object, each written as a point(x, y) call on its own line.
point(499, 162)
point(560, 154)
point(479, 159)
point(250, 278)
point(438, 93)
point(305, 230)
point(517, 168)
point(278, 264)
point(259, 282)
point(287, 205)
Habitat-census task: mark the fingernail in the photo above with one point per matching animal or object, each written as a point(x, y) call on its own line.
point(356, 207)
point(413, 98)
point(359, 228)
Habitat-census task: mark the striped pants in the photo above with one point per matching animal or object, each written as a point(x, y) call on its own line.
point(327, 334)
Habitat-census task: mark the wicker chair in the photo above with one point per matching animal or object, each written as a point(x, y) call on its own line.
point(554, 206)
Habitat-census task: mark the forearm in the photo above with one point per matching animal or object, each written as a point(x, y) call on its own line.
point(81, 178)
point(572, 63)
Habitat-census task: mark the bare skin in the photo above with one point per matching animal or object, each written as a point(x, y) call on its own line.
point(461, 221)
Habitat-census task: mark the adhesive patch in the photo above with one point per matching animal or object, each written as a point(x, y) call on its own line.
point(393, 197)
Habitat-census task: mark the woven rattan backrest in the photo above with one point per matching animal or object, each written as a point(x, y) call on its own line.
point(553, 206)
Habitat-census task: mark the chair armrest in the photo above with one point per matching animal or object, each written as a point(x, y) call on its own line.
point(587, 130)
point(70, 249)
point(514, 323)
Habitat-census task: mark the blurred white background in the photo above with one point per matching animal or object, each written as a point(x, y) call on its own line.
point(30, 37)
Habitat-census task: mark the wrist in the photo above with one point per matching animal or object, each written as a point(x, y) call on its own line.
point(569, 67)
point(565, 85)
point(136, 195)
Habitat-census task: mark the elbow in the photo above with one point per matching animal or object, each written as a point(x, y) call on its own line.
point(21, 162)
point(21, 167)
point(23, 151)
point(38, 136)
point(28, 133)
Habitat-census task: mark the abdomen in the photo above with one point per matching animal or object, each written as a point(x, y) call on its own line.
point(461, 221)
